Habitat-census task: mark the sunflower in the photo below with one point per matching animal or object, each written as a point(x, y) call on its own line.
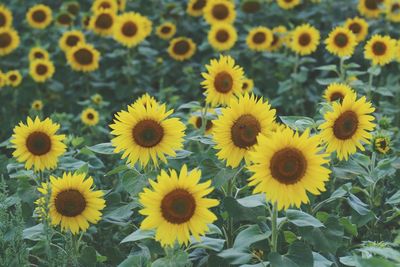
point(236, 129)
point(145, 132)
point(146, 100)
point(73, 203)
point(217, 11)
point(64, 19)
point(195, 7)
point(222, 36)
point(181, 48)
point(38, 53)
point(39, 16)
point(41, 70)
point(286, 166)
point(381, 144)
point(14, 78)
point(83, 57)
point(130, 29)
point(102, 22)
point(37, 105)
point(72, 8)
point(37, 144)
point(381, 50)
point(358, 26)
point(166, 30)
point(341, 42)
point(370, 8)
point(278, 38)
point(304, 39)
point(259, 38)
point(111, 5)
point(347, 125)
point(251, 6)
point(247, 85)
point(222, 80)
point(337, 91)
point(6, 17)
point(121, 5)
point(288, 4)
point(176, 206)
point(90, 117)
point(85, 21)
point(196, 119)
point(9, 41)
point(97, 99)
point(392, 11)
point(70, 39)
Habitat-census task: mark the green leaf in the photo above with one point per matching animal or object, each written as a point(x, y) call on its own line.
point(104, 148)
point(298, 122)
point(299, 255)
point(178, 259)
point(235, 256)
point(139, 235)
point(88, 257)
point(205, 242)
point(34, 233)
point(116, 170)
point(252, 201)
point(290, 237)
point(375, 70)
point(359, 206)
point(374, 262)
point(241, 213)
point(394, 199)
point(327, 68)
point(321, 261)
point(348, 226)
point(249, 236)
point(302, 219)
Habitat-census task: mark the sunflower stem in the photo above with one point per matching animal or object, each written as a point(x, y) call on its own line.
point(370, 82)
point(274, 226)
point(75, 250)
point(342, 73)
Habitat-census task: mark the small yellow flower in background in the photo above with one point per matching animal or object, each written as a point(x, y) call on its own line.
point(121, 5)
point(110, 5)
point(222, 36)
point(41, 70)
point(97, 99)
point(37, 105)
point(70, 39)
point(347, 126)
point(304, 39)
point(39, 16)
point(42, 207)
point(195, 7)
point(259, 39)
point(248, 85)
point(337, 92)
point(38, 53)
point(279, 34)
point(288, 4)
point(217, 11)
point(166, 30)
point(9, 41)
point(14, 78)
point(393, 10)
point(6, 17)
point(286, 166)
point(341, 42)
point(381, 50)
point(181, 48)
point(176, 206)
point(72, 7)
point(83, 57)
point(371, 8)
point(102, 22)
point(90, 117)
point(131, 29)
point(37, 144)
point(222, 81)
point(358, 26)
point(197, 120)
point(64, 19)
point(382, 144)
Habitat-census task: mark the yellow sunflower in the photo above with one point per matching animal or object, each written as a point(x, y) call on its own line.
point(83, 57)
point(341, 42)
point(146, 100)
point(111, 5)
point(288, 4)
point(121, 5)
point(382, 144)
point(222, 36)
point(37, 144)
point(102, 22)
point(286, 166)
point(195, 7)
point(90, 117)
point(278, 38)
point(14, 78)
point(6, 17)
point(70, 39)
point(73, 202)
point(358, 26)
point(371, 8)
point(196, 120)
point(393, 11)
point(130, 29)
point(85, 21)
point(251, 6)
point(145, 133)
point(37, 105)
point(39, 16)
point(236, 129)
point(41, 70)
point(381, 50)
point(64, 19)
point(222, 80)
point(38, 53)
point(97, 99)
point(259, 38)
point(304, 39)
point(217, 11)
point(73, 8)
point(347, 125)
point(176, 206)
point(337, 91)
point(166, 30)
point(248, 85)
point(181, 48)
point(9, 41)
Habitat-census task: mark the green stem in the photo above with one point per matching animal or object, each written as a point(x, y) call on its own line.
point(370, 82)
point(274, 226)
point(342, 73)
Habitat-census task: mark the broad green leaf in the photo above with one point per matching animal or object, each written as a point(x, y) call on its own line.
point(139, 235)
point(302, 219)
point(104, 148)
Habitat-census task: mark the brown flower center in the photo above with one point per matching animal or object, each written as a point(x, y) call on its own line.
point(73, 8)
point(13, 77)
point(104, 21)
point(41, 69)
point(395, 8)
point(38, 55)
point(129, 29)
point(84, 56)
point(220, 11)
point(64, 19)
point(251, 6)
point(148, 133)
point(379, 48)
point(355, 27)
point(105, 5)
point(304, 39)
point(39, 16)
point(341, 40)
point(275, 39)
point(70, 203)
point(38, 143)
point(336, 96)
point(259, 38)
point(199, 123)
point(3, 20)
point(288, 165)
point(5, 39)
point(90, 116)
point(222, 36)
point(72, 40)
point(223, 82)
point(199, 5)
point(245, 85)
point(346, 125)
point(181, 47)
point(178, 206)
point(245, 130)
point(383, 144)
point(371, 4)
point(166, 29)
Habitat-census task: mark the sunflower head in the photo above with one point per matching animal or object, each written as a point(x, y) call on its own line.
point(251, 6)
point(176, 206)
point(37, 144)
point(97, 99)
point(337, 92)
point(166, 30)
point(341, 42)
point(41, 70)
point(288, 4)
point(393, 11)
point(181, 48)
point(381, 144)
point(304, 39)
point(102, 22)
point(72, 7)
point(381, 50)
point(197, 120)
point(259, 39)
point(13, 78)
point(358, 26)
point(217, 11)
point(131, 29)
point(65, 19)
point(9, 41)
point(37, 105)
point(371, 8)
point(6, 17)
point(38, 53)
point(70, 39)
point(83, 57)
point(247, 85)
point(39, 16)
point(110, 5)
point(195, 7)
point(279, 34)
point(222, 36)
point(90, 117)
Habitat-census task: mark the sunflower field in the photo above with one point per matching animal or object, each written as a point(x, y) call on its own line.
point(174, 133)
